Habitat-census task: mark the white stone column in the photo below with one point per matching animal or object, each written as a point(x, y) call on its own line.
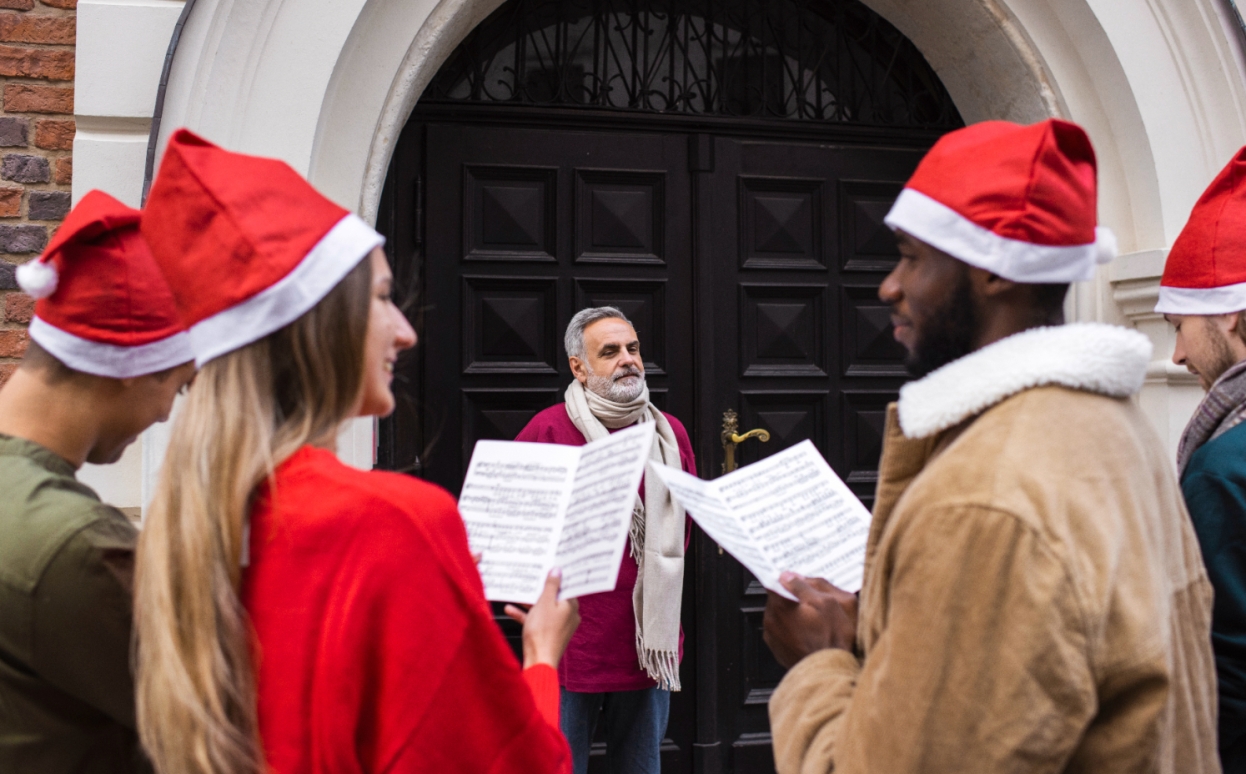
point(120, 53)
point(1171, 393)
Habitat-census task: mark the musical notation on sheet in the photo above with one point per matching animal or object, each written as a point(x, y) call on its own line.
point(787, 512)
point(530, 507)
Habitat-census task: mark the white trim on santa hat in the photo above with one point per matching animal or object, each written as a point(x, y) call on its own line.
point(280, 304)
point(1222, 300)
point(111, 360)
point(938, 225)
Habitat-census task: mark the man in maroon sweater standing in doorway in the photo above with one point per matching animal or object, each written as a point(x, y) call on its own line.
point(624, 659)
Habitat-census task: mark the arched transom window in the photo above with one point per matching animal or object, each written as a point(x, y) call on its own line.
point(804, 60)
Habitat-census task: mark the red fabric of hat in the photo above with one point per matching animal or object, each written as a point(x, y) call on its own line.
point(1019, 201)
point(247, 244)
point(1206, 268)
point(104, 308)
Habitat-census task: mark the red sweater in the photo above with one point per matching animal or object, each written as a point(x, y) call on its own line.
point(602, 653)
point(376, 649)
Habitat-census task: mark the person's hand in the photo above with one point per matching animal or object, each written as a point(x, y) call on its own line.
point(825, 617)
point(547, 625)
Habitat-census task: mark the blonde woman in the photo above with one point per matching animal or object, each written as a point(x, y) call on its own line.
point(294, 614)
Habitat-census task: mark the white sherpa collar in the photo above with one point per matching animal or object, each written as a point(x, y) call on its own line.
point(1086, 356)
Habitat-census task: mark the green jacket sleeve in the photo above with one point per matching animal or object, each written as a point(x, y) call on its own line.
point(1215, 495)
point(81, 617)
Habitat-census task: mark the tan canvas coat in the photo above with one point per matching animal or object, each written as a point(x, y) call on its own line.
point(1034, 596)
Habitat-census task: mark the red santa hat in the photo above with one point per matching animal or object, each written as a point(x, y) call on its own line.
point(103, 306)
point(1206, 268)
point(1018, 201)
point(247, 244)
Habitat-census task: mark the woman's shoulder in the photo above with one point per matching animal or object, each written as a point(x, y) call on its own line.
point(382, 516)
point(318, 481)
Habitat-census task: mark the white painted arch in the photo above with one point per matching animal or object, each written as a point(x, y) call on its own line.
point(328, 85)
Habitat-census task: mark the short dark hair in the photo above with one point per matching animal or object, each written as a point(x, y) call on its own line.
point(53, 369)
point(1049, 302)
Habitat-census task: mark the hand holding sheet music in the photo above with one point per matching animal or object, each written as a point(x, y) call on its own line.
point(787, 512)
point(530, 507)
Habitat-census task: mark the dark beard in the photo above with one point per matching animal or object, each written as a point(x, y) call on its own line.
point(948, 332)
point(1223, 354)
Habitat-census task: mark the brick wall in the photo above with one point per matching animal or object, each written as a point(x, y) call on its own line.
point(36, 140)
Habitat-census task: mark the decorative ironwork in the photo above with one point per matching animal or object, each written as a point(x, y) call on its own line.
point(809, 60)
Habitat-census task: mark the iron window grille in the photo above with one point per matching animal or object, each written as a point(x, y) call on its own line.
point(805, 60)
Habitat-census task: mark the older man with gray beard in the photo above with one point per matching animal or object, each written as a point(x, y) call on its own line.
point(623, 661)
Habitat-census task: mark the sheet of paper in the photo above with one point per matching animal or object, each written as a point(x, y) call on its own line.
point(600, 510)
point(513, 500)
point(787, 512)
point(702, 500)
point(801, 515)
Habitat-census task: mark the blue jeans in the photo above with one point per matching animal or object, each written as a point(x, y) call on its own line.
point(635, 725)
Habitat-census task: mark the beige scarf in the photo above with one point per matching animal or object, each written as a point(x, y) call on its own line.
point(657, 531)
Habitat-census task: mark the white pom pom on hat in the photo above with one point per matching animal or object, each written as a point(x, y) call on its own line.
point(1105, 244)
point(38, 278)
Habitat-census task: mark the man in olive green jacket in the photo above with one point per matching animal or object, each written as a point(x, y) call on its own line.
point(1034, 599)
point(108, 355)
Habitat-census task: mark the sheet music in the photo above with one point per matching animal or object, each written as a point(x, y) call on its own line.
point(703, 501)
point(600, 511)
point(512, 502)
point(796, 513)
point(530, 507)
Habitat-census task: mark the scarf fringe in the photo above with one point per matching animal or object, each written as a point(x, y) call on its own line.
point(660, 665)
point(636, 533)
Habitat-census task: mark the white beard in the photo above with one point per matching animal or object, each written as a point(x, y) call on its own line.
point(617, 388)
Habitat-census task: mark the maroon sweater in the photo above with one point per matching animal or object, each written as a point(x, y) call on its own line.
point(602, 654)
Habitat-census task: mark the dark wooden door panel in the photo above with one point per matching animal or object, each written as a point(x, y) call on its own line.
point(526, 226)
point(801, 346)
point(523, 228)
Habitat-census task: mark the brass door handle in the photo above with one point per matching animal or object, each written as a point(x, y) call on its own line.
point(759, 434)
point(730, 437)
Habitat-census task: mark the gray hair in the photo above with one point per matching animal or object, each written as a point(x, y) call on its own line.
point(574, 340)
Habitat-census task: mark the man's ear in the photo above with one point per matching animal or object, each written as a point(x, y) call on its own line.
point(1227, 323)
point(988, 284)
point(578, 370)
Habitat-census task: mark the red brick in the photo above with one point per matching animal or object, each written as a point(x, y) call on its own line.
point(54, 134)
point(18, 307)
point(29, 98)
point(54, 64)
point(23, 28)
point(67, 4)
point(64, 174)
point(6, 370)
point(18, 5)
point(10, 202)
point(13, 343)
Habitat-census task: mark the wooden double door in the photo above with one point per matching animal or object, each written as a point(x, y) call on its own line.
point(750, 268)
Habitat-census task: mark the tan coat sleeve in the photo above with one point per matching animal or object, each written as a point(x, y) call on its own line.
point(978, 662)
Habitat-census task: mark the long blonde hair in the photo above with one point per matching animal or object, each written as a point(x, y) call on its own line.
point(247, 412)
